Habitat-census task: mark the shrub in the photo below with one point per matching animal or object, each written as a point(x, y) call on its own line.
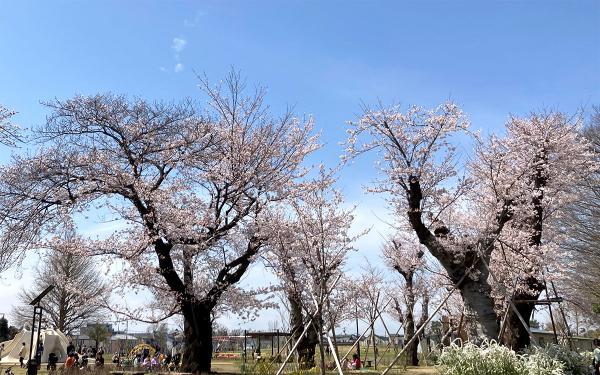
point(539, 362)
point(573, 362)
point(493, 359)
point(488, 359)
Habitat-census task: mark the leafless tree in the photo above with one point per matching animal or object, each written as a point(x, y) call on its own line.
point(69, 305)
point(583, 232)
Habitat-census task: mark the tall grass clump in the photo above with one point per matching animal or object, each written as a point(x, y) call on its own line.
point(493, 359)
point(487, 359)
point(573, 362)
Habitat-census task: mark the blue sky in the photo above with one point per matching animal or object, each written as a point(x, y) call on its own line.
point(323, 57)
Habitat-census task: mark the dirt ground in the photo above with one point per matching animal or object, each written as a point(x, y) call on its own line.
point(230, 367)
point(234, 367)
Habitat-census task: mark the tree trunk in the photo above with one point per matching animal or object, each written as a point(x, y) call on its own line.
point(197, 331)
point(412, 357)
point(515, 335)
point(481, 319)
point(306, 348)
point(409, 331)
point(333, 334)
point(318, 326)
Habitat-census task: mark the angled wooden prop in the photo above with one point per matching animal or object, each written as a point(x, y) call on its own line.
point(37, 299)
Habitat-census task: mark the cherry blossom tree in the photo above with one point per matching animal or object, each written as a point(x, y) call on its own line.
point(407, 258)
point(535, 171)
point(307, 251)
point(509, 191)
point(8, 131)
point(8, 137)
point(369, 298)
point(190, 187)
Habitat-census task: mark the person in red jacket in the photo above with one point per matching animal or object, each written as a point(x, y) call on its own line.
point(356, 362)
point(70, 361)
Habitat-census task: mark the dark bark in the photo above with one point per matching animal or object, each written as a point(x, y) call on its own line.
point(421, 323)
point(480, 318)
point(197, 333)
point(409, 325)
point(306, 348)
point(516, 335)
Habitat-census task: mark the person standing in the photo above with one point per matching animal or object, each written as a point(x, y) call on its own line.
point(22, 355)
point(40, 350)
point(596, 361)
point(70, 347)
point(1, 351)
point(100, 357)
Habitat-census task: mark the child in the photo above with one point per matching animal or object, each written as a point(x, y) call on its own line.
point(70, 362)
point(154, 362)
point(356, 362)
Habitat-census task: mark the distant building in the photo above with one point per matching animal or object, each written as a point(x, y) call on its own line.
point(547, 337)
point(84, 337)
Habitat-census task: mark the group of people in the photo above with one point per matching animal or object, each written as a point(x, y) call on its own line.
point(355, 364)
point(37, 356)
point(78, 359)
point(144, 360)
point(160, 361)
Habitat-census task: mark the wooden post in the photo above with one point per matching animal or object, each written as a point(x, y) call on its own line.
point(245, 346)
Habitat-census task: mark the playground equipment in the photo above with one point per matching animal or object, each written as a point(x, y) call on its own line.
point(139, 349)
point(54, 342)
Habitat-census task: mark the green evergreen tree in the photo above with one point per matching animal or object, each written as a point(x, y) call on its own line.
point(4, 333)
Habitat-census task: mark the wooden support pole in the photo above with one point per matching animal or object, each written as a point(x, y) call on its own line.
point(335, 357)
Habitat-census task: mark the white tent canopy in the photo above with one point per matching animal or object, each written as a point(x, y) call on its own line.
point(54, 342)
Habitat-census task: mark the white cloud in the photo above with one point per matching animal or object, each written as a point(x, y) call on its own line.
point(194, 21)
point(162, 69)
point(178, 44)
